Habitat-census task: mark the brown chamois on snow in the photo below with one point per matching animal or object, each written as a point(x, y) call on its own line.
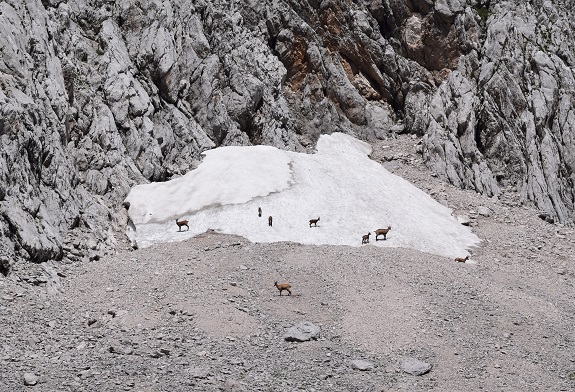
point(260, 212)
point(270, 220)
point(383, 232)
point(283, 286)
point(181, 223)
point(462, 259)
point(313, 222)
point(365, 238)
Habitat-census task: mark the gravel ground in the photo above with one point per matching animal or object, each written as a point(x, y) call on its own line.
point(204, 315)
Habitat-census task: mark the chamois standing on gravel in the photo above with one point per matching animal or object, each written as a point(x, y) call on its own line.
point(313, 222)
point(283, 286)
point(365, 238)
point(462, 259)
point(270, 220)
point(181, 223)
point(383, 232)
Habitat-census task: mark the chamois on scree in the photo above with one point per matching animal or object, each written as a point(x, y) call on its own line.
point(182, 223)
point(462, 259)
point(313, 222)
point(383, 232)
point(283, 286)
point(365, 238)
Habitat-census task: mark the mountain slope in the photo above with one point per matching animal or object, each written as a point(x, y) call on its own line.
point(202, 314)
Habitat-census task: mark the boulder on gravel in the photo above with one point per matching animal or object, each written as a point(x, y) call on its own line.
point(360, 364)
point(232, 385)
point(30, 379)
point(415, 367)
point(484, 211)
point(302, 332)
point(464, 220)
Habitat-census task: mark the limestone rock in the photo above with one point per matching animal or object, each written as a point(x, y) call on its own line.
point(464, 220)
point(232, 385)
point(30, 379)
point(302, 332)
point(415, 367)
point(360, 364)
point(484, 211)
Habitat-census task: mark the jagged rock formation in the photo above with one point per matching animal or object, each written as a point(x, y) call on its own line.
point(97, 96)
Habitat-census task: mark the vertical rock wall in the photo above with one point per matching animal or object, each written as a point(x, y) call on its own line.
point(499, 113)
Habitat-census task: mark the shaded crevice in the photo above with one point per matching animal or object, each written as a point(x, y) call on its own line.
point(4, 267)
point(272, 40)
point(479, 128)
point(163, 82)
point(249, 125)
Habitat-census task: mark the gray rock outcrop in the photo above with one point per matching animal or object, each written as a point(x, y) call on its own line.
point(501, 117)
point(96, 97)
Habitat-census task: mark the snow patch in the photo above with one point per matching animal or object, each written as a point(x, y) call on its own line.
point(352, 195)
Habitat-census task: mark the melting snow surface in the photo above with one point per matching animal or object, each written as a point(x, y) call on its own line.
point(351, 194)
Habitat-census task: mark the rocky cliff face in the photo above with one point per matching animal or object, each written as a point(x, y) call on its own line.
point(97, 96)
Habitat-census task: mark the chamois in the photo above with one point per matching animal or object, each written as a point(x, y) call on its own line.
point(462, 259)
point(182, 223)
point(260, 212)
point(283, 286)
point(365, 238)
point(270, 220)
point(313, 222)
point(379, 232)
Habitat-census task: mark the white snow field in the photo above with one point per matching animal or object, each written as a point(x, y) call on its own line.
point(352, 195)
